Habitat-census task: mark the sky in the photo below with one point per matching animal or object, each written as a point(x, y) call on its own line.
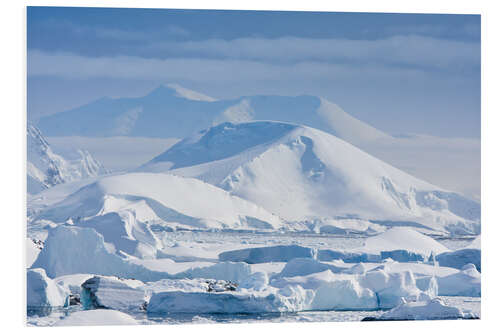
point(402, 73)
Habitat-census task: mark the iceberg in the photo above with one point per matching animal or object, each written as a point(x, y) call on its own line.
point(306, 266)
point(110, 292)
point(43, 292)
point(434, 309)
point(64, 254)
point(289, 299)
point(346, 294)
point(467, 282)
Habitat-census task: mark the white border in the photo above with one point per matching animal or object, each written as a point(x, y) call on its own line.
point(13, 152)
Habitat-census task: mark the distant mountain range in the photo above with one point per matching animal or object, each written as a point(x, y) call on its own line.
point(173, 111)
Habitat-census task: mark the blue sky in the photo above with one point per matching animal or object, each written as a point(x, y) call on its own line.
point(402, 73)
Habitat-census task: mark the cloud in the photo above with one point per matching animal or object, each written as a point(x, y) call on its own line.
point(169, 41)
point(109, 33)
point(398, 50)
point(202, 70)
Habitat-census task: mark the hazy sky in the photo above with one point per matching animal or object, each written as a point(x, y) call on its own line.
point(402, 73)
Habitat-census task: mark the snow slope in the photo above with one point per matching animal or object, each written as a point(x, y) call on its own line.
point(403, 239)
point(46, 168)
point(137, 198)
point(304, 174)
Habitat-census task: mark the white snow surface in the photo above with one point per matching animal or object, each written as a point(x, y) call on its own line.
point(146, 197)
point(72, 282)
point(434, 309)
point(346, 126)
point(401, 238)
point(97, 317)
point(303, 174)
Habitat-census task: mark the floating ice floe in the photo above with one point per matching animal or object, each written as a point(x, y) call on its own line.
point(434, 309)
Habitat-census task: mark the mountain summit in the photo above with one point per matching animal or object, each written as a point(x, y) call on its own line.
point(304, 174)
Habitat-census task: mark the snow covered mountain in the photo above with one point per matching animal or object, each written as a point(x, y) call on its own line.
point(174, 111)
point(46, 168)
point(304, 174)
